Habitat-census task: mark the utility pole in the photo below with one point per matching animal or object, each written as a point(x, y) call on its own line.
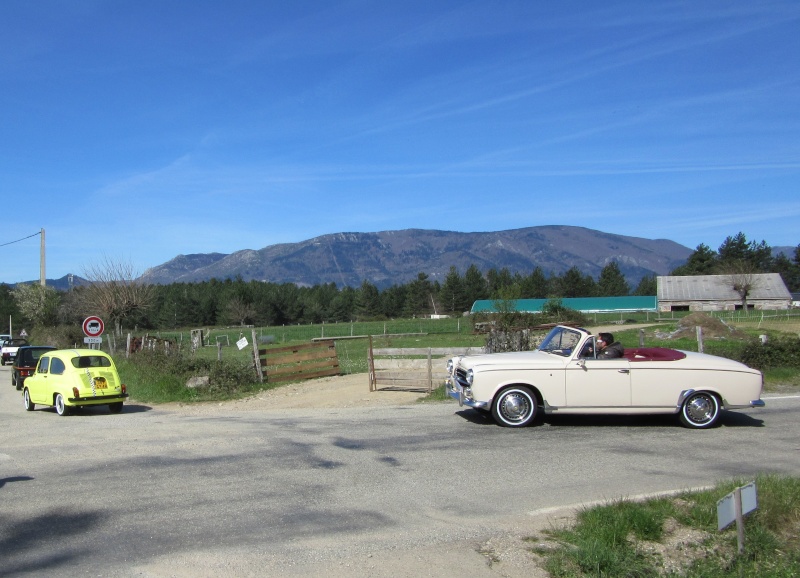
point(42, 277)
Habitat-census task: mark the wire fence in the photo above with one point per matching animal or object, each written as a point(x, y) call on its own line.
point(294, 333)
point(761, 316)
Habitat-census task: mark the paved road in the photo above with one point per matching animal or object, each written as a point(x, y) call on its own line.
point(150, 491)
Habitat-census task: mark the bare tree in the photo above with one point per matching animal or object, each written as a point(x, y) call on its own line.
point(743, 278)
point(239, 311)
point(114, 292)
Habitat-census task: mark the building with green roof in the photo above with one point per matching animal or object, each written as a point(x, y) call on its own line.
point(582, 304)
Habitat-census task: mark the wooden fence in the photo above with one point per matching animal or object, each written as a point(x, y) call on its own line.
point(296, 362)
point(411, 368)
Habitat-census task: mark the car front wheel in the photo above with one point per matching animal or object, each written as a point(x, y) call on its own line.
point(61, 407)
point(26, 399)
point(700, 410)
point(514, 407)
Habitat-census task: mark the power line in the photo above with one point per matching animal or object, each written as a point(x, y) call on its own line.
point(18, 240)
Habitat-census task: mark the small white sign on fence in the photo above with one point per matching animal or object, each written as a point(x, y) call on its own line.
point(242, 343)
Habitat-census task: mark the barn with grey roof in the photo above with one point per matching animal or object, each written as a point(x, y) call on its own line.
point(717, 293)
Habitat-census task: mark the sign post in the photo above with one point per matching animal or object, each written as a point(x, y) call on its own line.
point(93, 327)
point(733, 507)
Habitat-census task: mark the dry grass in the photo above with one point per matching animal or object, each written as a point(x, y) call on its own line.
point(783, 326)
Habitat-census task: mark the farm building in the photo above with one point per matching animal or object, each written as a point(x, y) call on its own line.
point(716, 293)
point(583, 304)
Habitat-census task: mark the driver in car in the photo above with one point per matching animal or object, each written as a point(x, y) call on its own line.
point(607, 348)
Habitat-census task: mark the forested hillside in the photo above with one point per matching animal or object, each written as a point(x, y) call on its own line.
point(132, 303)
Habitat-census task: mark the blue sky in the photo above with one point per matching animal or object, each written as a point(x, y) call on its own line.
point(140, 130)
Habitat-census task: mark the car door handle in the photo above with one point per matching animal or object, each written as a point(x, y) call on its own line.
point(624, 370)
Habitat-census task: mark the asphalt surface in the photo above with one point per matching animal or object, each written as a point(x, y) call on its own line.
point(155, 492)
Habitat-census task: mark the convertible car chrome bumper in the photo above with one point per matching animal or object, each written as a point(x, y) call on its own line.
point(455, 391)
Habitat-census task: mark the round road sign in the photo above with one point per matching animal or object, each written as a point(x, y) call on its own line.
point(93, 326)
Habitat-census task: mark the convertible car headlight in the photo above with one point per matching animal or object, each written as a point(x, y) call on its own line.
point(450, 367)
point(470, 376)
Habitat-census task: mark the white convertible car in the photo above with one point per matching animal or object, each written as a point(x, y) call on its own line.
point(563, 376)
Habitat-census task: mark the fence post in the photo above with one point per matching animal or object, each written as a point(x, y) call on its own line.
point(641, 338)
point(430, 372)
point(257, 359)
point(699, 338)
point(371, 366)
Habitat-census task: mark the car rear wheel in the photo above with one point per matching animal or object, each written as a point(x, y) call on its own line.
point(700, 410)
point(115, 407)
point(514, 407)
point(61, 407)
point(26, 399)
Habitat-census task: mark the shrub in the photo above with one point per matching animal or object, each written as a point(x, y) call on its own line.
point(61, 336)
point(554, 311)
point(226, 377)
point(779, 352)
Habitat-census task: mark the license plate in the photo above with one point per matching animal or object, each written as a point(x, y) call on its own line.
point(100, 383)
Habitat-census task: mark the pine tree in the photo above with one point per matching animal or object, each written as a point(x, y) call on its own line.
point(612, 282)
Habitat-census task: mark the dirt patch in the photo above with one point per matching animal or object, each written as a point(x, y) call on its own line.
point(712, 327)
point(341, 391)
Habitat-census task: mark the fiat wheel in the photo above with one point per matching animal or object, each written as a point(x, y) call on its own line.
point(61, 407)
point(26, 399)
point(514, 407)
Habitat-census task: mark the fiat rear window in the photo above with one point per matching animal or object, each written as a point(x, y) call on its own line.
point(91, 361)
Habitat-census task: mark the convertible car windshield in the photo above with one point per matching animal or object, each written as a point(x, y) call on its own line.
point(561, 341)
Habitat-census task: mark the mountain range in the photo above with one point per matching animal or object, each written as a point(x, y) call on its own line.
point(397, 257)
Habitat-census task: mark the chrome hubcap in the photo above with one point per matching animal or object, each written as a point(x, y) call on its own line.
point(515, 407)
point(699, 410)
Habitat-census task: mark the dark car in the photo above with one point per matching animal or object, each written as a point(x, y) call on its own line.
point(25, 362)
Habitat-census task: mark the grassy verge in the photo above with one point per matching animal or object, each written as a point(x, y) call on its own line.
point(154, 377)
point(678, 536)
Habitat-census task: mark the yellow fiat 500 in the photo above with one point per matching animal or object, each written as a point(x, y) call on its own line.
point(68, 378)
